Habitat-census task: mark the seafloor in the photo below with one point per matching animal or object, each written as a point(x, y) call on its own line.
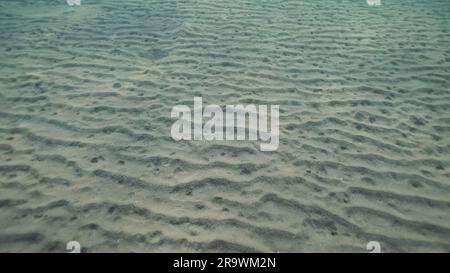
point(86, 153)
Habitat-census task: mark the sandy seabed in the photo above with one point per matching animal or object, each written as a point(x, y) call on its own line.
point(85, 148)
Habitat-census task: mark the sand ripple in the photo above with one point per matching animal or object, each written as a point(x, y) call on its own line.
point(85, 146)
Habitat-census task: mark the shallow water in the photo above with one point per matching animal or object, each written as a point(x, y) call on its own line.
point(86, 153)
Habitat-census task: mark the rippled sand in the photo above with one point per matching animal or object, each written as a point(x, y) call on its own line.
point(86, 153)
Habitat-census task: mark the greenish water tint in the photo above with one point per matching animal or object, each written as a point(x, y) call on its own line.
point(86, 154)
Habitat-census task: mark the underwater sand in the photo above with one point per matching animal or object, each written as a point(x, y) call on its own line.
point(85, 148)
